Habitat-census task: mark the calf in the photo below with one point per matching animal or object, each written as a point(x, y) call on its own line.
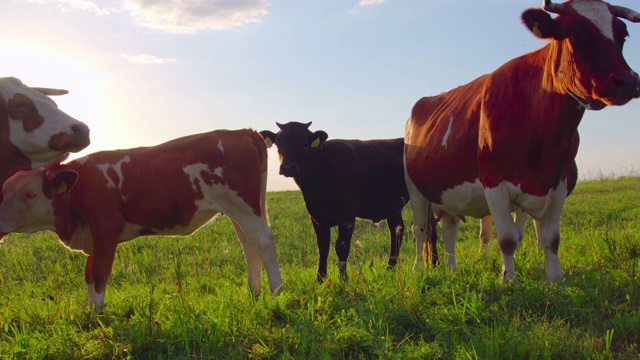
point(106, 198)
point(33, 131)
point(341, 180)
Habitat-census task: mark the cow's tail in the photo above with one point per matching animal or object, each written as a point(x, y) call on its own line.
point(430, 250)
point(258, 140)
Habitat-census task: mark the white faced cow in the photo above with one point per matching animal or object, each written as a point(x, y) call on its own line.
point(106, 198)
point(506, 140)
point(33, 131)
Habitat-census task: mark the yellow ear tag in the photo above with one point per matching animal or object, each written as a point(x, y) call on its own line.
point(61, 188)
point(268, 142)
point(315, 143)
point(536, 30)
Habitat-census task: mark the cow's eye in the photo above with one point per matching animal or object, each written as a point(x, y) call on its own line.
point(29, 195)
point(19, 105)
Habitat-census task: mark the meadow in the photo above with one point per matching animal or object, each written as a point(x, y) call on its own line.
point(186, 298)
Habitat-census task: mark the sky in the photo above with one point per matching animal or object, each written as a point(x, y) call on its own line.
point(141, 72)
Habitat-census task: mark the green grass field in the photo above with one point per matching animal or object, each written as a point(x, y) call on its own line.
point(187, 297)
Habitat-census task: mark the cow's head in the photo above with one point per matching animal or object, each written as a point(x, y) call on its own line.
point(28, 199)
point(586, 59)
point(294, 142)
point(33, 129)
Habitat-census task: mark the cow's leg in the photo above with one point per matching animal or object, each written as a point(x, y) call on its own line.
point(421, 214)
point(432, 233)
point(536, 223)
point(499, 202)
point(343, 246)
point(486, 231)
point(254, 263)
point(259, 248)
point(323, 239)
point(450, 225)
point(88, 278)
point(396, 232)
point(549, 232)
point(100, 266)
point(520, 218)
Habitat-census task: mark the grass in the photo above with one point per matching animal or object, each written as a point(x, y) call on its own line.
point(187, 297)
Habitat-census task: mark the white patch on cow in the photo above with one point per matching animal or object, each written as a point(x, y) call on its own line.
point(81, 240)
point(486, 98)
point(97, 300)
point(220, 146)
point(82, 160)
point(218, 171)
point(535, 205)
point(117, 167)
point(105, 168)
point(194, 172)
point(446, 134)
point(465, 199)
point(598, 13)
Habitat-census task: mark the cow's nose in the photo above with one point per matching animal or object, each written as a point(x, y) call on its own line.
point(626, 84)
point(289, 170)
point(80, 133)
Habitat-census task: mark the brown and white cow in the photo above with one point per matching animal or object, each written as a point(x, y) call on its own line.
point(106, 198)
point(33, 131)
point(505, 140)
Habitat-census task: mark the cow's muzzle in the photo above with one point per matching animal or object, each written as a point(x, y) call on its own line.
point(75, 141)
point(289, 170)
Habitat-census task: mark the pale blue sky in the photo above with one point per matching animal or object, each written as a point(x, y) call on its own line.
point(143, 72)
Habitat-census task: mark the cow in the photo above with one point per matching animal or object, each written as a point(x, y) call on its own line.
point(101, 200)
point(342, 180)
point(33, 131)
point(506, 139)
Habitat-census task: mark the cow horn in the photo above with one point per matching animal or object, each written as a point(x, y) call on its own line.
point(624, 13)
point(279, 125)
point(308, 124)
point(50, 92)
point(553, 8)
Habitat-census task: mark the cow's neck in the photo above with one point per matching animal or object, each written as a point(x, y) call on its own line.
point(548, 117)
point(11, 161)
point(66, 220)
point(559, 77)
point(562, 109)
point(314, 180)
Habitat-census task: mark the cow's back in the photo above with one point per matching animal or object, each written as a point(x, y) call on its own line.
point(157, 189)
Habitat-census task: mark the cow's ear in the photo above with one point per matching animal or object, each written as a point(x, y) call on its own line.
point(318, 138)
point(269, 137)
point(541, 24)
point(64, 181)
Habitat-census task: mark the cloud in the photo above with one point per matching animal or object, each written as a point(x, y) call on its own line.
point(188, 16)
point(365, 3)
point(84, 5)
point(147, 59)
